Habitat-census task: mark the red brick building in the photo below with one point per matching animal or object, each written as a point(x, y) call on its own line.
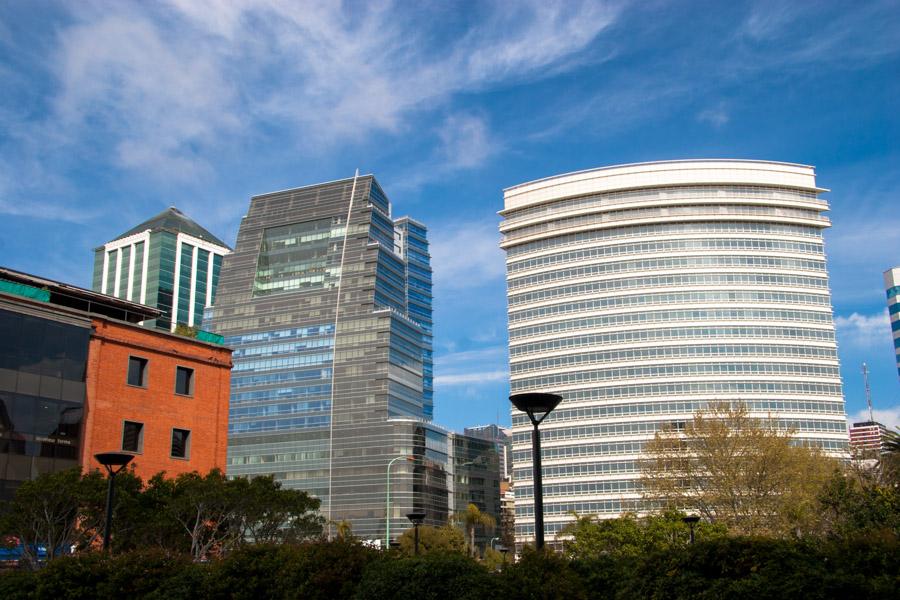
point(79, 375)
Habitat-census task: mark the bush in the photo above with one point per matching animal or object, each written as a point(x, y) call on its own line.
point(433, 576)
point(541, 576)
point(18, 585)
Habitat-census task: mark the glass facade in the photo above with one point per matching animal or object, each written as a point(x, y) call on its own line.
point(643, 293)
point(332, 354)
point(42, 391)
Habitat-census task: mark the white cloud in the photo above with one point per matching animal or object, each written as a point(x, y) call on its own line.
point(466, 254)
point(470, 378)
point(864, 331)
point(889, 417)
point(465, 141)
point(716, 116)
point(482, 365)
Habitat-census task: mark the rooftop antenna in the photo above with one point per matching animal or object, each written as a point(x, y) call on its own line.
point(865, 372)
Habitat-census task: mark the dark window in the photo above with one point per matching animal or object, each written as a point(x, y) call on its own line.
point(137, 371)
point(181, 443)
point(133, 437)
point(184, 381)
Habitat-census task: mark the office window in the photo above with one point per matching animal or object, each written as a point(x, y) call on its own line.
point(181, 443)
point(137, 371)
point(133, 437)
point(184, 381)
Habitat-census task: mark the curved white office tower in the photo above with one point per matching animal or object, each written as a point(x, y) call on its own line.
point(641, 293)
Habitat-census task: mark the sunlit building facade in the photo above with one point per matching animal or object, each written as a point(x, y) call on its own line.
point(643, 292)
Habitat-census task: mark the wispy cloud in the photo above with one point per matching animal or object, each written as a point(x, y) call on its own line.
point(717, 116)
point(466, 254)
point(484, 365)
point(864, 331)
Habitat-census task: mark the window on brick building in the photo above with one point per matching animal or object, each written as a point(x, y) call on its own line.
point(181, 443)
point(133, 437)
point(184, 381)
point(137, 371)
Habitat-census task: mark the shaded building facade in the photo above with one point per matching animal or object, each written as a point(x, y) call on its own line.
point(326, 301)
point(168, 262)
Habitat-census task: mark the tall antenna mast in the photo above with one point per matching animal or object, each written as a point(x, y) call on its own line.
point(865, 372)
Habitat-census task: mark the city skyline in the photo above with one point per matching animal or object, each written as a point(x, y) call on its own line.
point(114, 112)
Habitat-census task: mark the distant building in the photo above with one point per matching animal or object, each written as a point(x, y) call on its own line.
point(502, 437)
point(168, 262)
point(508, 515)
point(892, 287)
point(868, 436)
point(79, 376)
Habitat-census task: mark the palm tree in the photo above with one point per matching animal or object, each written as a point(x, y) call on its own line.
point(471, 518)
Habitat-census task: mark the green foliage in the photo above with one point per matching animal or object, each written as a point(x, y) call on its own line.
point(471, 519)
point(493, 560)
point(435, 576)
point(590, 538)
point(853, 506)
point(541, 576)
point(433, 539)
point(18, 585)
point(186, 330)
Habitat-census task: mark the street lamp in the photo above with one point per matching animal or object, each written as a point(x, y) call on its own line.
point(114, 463)
point(537, 405)
point(691, 520)
point(416, 518)
point(387, 501)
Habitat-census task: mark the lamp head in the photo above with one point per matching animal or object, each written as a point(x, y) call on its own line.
point(691, 519)
point(111, 460)
point(537, 405)
point(416, 518)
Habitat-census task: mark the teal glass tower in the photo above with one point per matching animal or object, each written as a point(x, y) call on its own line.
point(168, 262)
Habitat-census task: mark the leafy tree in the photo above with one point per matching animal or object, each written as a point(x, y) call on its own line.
point(540, 575)
point(268, 513)
point(435, 576)
point(433, 539)
point(854, 503)
point(471, 519)
point(742, 472)
point(493, 560)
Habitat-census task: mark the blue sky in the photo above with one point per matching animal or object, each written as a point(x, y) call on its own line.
point(112, 111)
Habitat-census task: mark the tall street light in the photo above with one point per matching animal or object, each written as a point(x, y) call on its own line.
point(114, 463)
point(416, 518)
point(537, 405)
point(691, 520)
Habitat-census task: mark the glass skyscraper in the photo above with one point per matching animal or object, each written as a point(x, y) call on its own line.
point(326, 301)
point(168, 262)
point(643, 292)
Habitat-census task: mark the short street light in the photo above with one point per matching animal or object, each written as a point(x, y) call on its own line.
point(537, 406)
point(691, 520)
point(416, 518)
point(114, 463)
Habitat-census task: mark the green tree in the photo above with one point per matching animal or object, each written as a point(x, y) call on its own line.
point(433, 539)
point(471, 519)
point(739, 471)
point(268, 513)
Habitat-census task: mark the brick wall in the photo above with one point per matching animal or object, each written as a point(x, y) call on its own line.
point(111, 401)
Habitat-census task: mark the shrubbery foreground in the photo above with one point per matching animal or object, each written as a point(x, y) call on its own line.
point(720, 568)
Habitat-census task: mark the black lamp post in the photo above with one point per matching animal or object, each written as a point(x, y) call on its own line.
point(537, 405)
point(416, 518)
point(114, 463)
point(691, 520)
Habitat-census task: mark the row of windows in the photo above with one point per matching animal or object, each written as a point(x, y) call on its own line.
point(133, 440)
point(651, 427)
point(289, 348)
point(234, 341)
point(680, 370)
point(664, 316)
point(712, 296)
point(586, 488)
point(659, 281)
point(138, 368)
point(672, 333)
point(663, 230)
point(287, 408)
point(667, 246)
point(596, 449)
point(279, 378)
point(283, 363)
point(580, 470)
point(257, 459)
point(288, 393)
point(659, 264)
point(700, 210)
point(663, 352)
point(582, 508)
point(279, 424)
point(665, 193)
point(589, 413)
point(695, 388)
